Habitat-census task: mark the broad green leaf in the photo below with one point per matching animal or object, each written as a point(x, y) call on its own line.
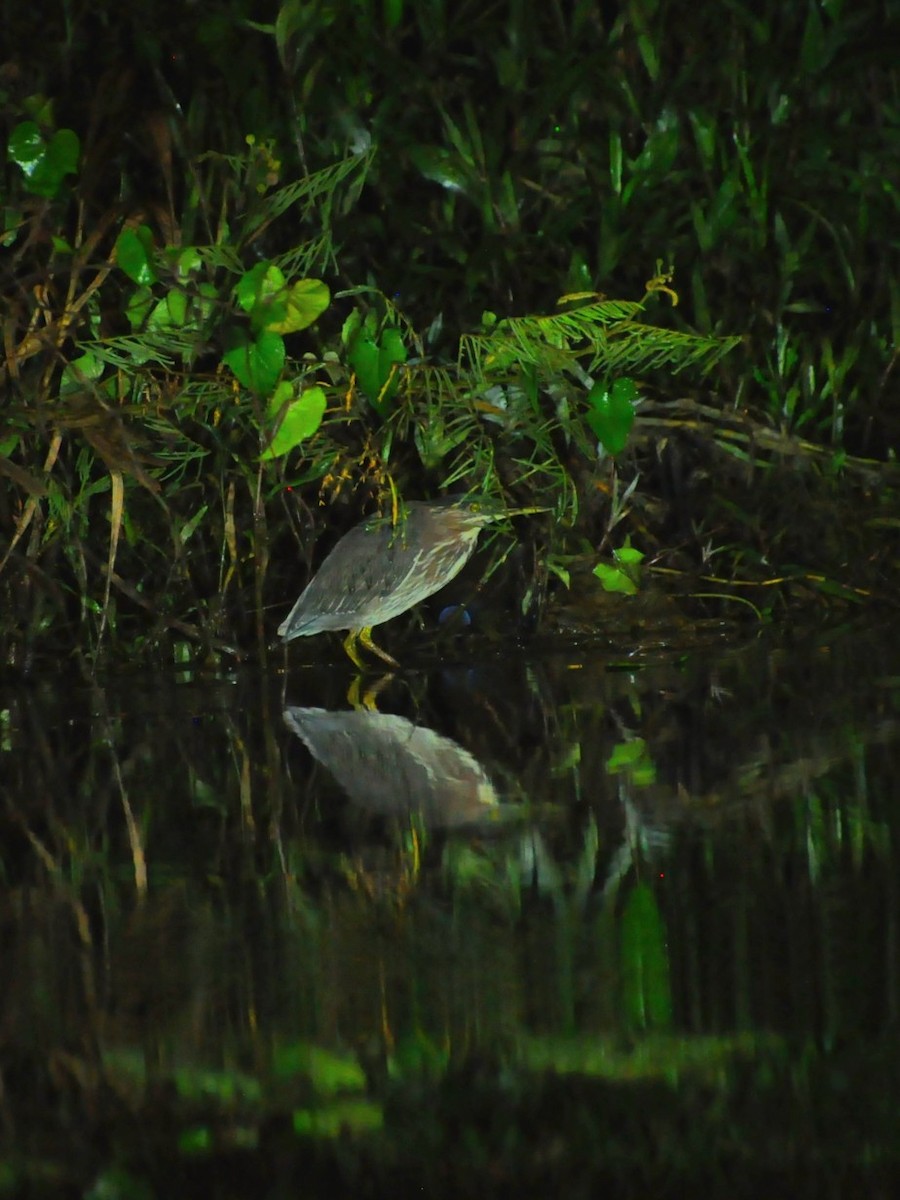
point(85, 367)
point(814, 53)
point(12, 223)
point(26, 146)
point(628, 556)
point(633, 759)
point(351, 327)
point(391, 354)
point(644, 960)
point(139, 306)
point(363, 358)
point(624, 577)
point(647, 48)
point(444, 167)
point(615, 579)
point(45, 164)
point(277, 306)
point(257, 364)
point(260, 283)
point(301, 419)
point(115, 1183)
point(170, 312)
point(335, 1119)
point(184, 260)
point(133, 253)
point(62, 152)
point(184, 309)
point(611, 413)
point(330, 1074)
point(375, 364)
point(297, 306)
point(40, 108)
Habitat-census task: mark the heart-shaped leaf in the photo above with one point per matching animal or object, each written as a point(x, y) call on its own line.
point(611, 413)
point(44, 164)
point(134, 254)
point(257, 364)
point(259, 284)
point(299, 420)
point(375, 364)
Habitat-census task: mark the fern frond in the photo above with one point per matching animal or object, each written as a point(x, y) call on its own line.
point(607, 334)
point(129, 349)
point(313, 191)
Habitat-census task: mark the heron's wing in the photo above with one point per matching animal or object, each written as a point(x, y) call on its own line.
point(372, 575)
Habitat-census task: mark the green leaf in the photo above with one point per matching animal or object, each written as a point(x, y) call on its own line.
point(444, 167)
point(611, 413)
point(62, 153)
point(170, 312)
point(299, 421)
point(337, 1118)
point(375, 364)
point(351, 327)
point(79, 370)
point(204, 302)
point(624, 577)
point(644, 960)
point(363, 358)
point(115, 1183)
point(138, 308)
point(629, 557)
point(277, 306)
point(257, 364)
point(296, 307)
point(12, 223)
point(26, 146)
point(614, 579)
point(133, 253)
point(647, 48)
point(259, 284)
point(45, 164)
point(186, 310)
point(329, 1074)
point(183, 260)
point(814, 54)
point(632, 759)
point(40, 109)
point(391, 354)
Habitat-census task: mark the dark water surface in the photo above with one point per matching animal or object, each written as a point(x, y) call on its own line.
point(589, 917)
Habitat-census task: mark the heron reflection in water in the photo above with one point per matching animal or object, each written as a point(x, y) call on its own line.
point(379, 570)
point(387, 764)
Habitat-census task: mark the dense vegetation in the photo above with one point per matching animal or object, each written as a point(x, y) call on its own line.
point(271, 260)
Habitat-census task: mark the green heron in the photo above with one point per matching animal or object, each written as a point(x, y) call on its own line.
point(378, 570)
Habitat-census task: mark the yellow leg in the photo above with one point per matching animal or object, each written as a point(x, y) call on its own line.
point(364, 636)
point(352, 652)
point(368, 701)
